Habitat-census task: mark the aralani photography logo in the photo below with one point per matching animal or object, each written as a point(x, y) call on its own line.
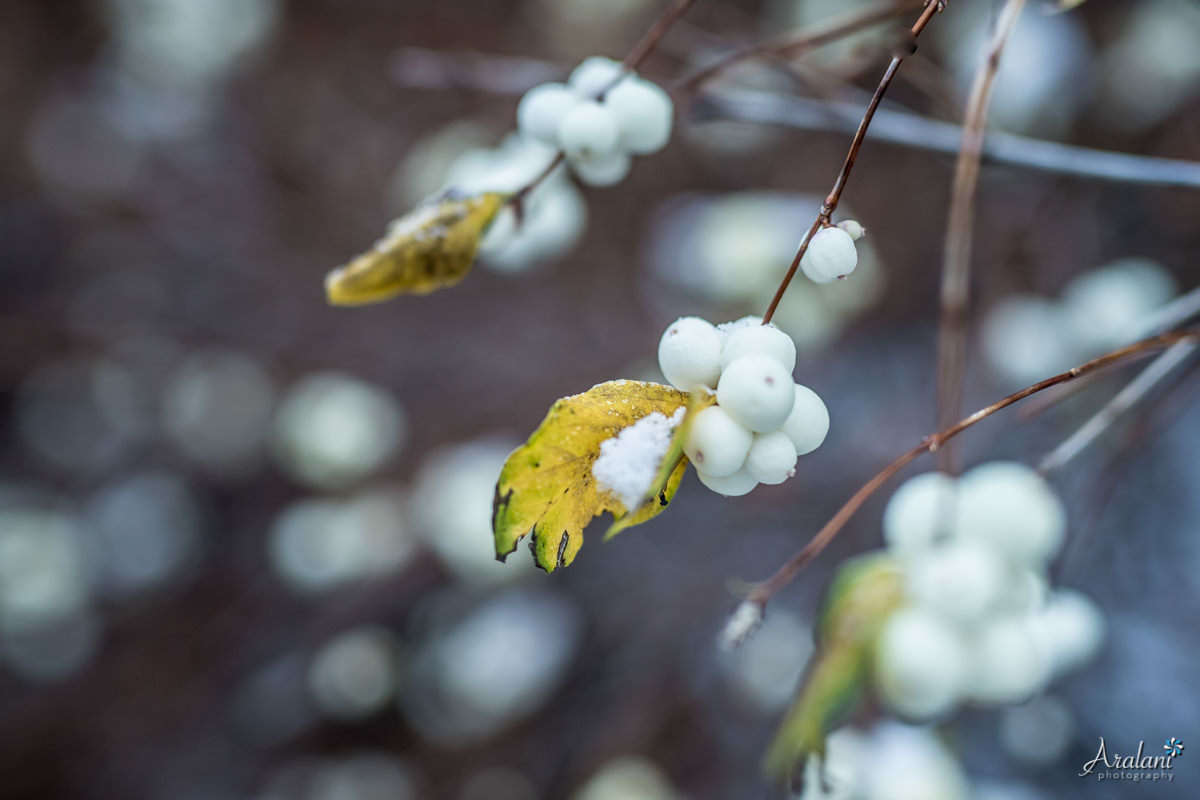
point(1135, 768)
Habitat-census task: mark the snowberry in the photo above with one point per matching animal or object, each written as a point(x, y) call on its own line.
point(756, 391)
point(1008, 663)
point(542, 109)
point(831, 255)
point(689, 354)
point(588, 131)
point(772, 458)
point(728, 329)
point(735, 485)
point(918, 511)
point(921, 665)
point(855, 229)
point(594, 75)
point(716, 444)
point(1070, 627)
point(607, 171)
point(1010, 506)
point(962, 581)
point(808, 422)
point(644, 114)
point(765, 339)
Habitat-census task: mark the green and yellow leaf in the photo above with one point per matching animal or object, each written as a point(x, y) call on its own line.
point(861, 597)
point(546, 488)
point(430, 248)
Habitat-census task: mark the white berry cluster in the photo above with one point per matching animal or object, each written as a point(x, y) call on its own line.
point(601, 117)
point(1029, 337)
point(980, 624)
point(831, 253)
point(762, 421)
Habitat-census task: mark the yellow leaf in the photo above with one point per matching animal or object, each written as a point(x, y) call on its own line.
point(430, 248)
point(547, 488)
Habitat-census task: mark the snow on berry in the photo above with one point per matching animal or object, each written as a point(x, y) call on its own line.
point(831, 255)
point(629, 461)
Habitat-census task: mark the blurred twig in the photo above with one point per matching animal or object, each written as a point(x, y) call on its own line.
point(762, 592)
point(956, 258)
point(794, 45)
point(1133, 393)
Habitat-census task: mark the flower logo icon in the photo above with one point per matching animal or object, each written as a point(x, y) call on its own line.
point(1173, 746)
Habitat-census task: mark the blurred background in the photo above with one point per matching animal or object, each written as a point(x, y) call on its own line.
point(244, 536)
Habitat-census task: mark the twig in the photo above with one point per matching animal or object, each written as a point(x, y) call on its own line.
point(431, 69)
point(762, 592)
point(913, 130)
point(657, 31)
point(835, 194)
point(1133, 393)
point(956, 259)
point(794, 45)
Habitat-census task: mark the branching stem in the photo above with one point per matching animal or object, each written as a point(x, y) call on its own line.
point(835, 194)
point(762, 592)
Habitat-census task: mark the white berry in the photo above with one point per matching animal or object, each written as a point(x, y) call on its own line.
point(756, 391)
point(765, 339)
point(772, 458)
point(1008, 663)
point(644, 115)
point(735, 485)
point(962, 581)
point(594, 75)
point(808, 422)
point(1070, 627)
point(1011, 507)
point(716, 444)
point(921, 665)
point(588, 131)
point(831, 255)
point(606, 171)
point(855, 229)
point(542, 109)
point(919, 510)
point(689, 354)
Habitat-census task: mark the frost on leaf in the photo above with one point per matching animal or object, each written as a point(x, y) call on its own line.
point(430, 248)
point(861, 597)
point(618, 447)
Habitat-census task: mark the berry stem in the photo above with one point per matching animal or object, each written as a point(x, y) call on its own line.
point(839, 185)
point(762, 592)
point(956, 258)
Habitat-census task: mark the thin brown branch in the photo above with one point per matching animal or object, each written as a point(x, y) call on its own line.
point(762, 592)
point(1133, 393)
point(956, 259)
point(794, 45)
point(657, 31)
point(835, 194)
